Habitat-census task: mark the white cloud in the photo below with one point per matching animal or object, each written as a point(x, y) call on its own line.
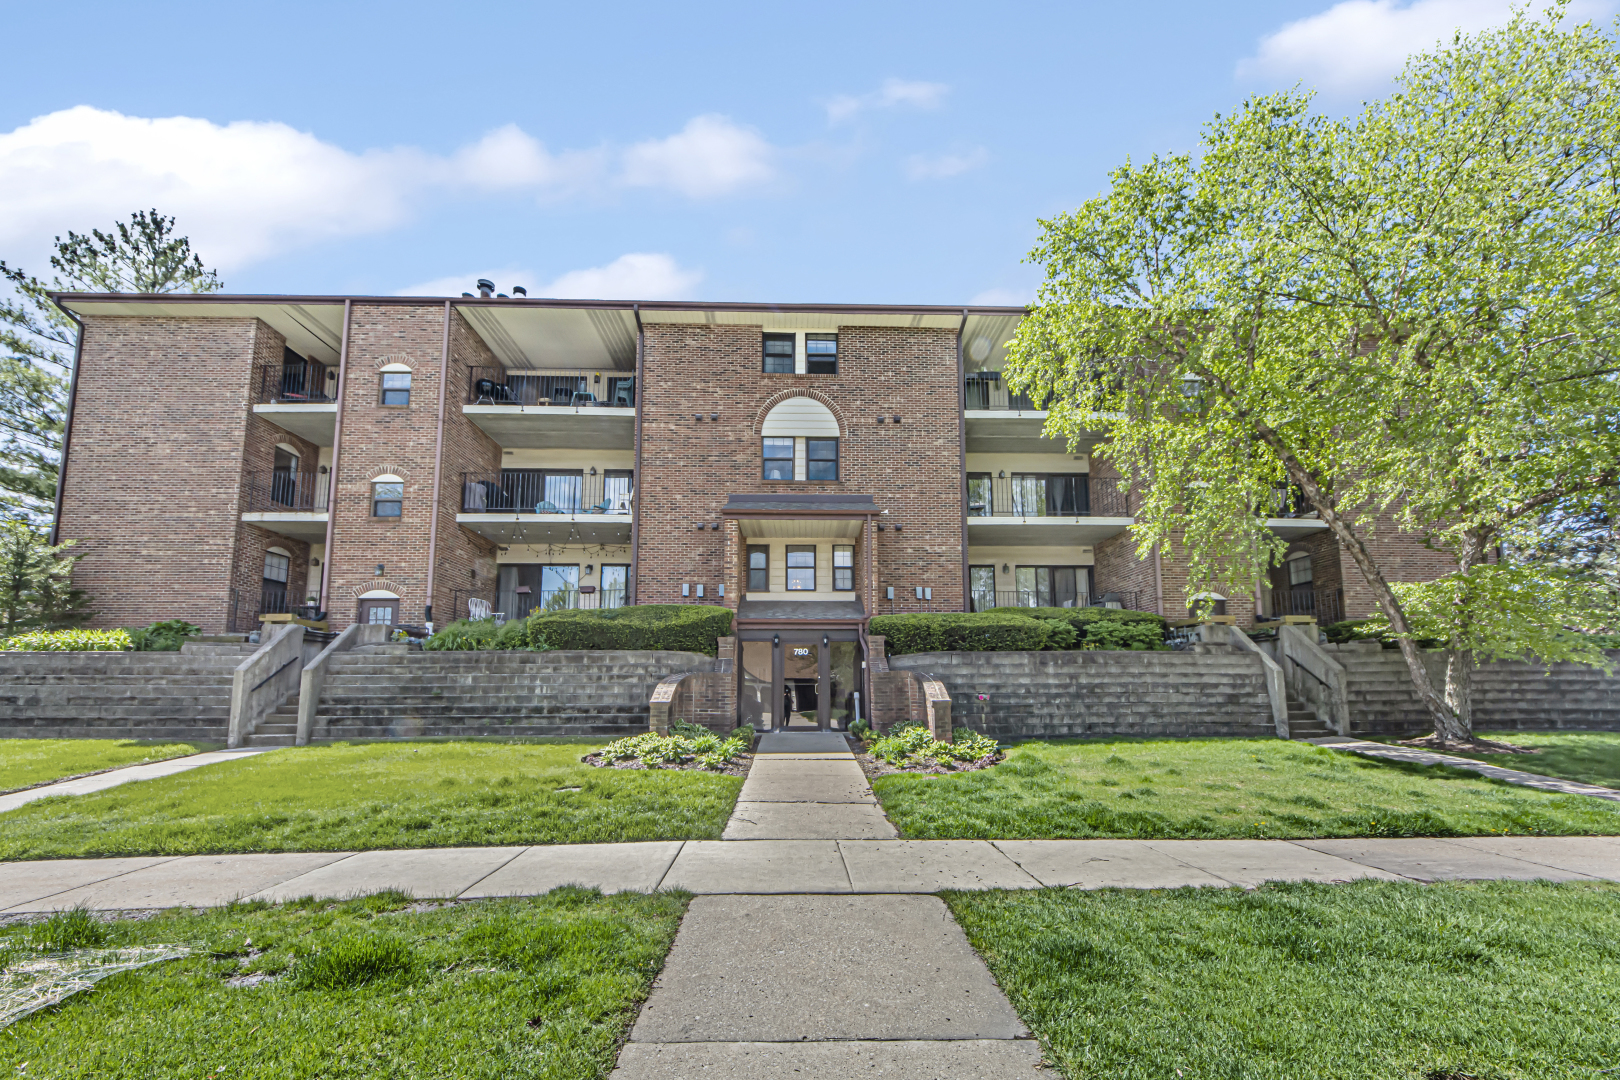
point(940, 166)
point(710, 156)
point(248, 190)
point(636, 276)
point(893, 92)
point(1358, 44)
point(1002, 298)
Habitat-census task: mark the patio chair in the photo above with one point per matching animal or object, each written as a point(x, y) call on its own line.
point(545, 507)
point(603, 507)
point(584, 397)
point(478, 609)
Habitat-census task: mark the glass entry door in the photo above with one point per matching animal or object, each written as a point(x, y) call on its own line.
point(799, 680)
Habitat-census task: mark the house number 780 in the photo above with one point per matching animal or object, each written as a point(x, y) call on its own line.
point(801, 652)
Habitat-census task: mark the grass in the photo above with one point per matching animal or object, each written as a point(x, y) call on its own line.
point(1365, 981)
point(541, 987)
point(1218, 788)
point(361, 796)
point(1589, 757)
point(26, 762)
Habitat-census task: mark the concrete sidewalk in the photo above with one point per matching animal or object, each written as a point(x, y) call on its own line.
point(87, 785)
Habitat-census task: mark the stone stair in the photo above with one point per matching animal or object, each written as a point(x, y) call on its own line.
point(1303, 722)
point(374, 695)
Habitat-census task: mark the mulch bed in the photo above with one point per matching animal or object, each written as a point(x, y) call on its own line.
point(875, 767)
point(738, 766)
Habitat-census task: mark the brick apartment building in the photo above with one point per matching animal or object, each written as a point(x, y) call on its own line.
point(408, 460)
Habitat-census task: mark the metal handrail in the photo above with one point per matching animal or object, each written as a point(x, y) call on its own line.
point(267, 492)
point(566, 389)
point(1012, 496)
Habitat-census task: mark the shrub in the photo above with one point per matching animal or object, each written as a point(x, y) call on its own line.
point(680, 627)
point(686, 743)
point(913, 744)
point(480, 634)
point(1001, 630)
point(1124, 635)
point(165, 636)
point(68, 641)
point(1370, 630)
point(355, 961)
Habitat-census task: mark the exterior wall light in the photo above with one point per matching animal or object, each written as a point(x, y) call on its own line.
point(379, 570)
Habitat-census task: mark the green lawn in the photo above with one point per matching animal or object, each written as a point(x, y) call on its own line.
point(1365, 981)
point(541, 987)
point(1213, 788)
point(26, 762)
point(346, 797)
point(1590, 757)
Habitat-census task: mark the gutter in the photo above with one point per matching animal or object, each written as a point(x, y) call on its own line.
point(337, 446)
point(438, 468)
point(67, 425)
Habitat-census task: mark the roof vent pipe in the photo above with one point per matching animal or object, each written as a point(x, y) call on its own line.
point(518, 290)
point(486, 287)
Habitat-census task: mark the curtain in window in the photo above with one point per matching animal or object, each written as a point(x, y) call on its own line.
point(982, 586)
point(981, 501)
point(1067, 496)
point(1029, 496)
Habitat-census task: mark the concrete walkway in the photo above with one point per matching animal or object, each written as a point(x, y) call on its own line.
point(87, 785)
point(806, 786)
point(1495, 772)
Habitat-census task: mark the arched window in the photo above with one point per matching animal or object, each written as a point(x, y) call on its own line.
point(1206, 603)
point(800, 441)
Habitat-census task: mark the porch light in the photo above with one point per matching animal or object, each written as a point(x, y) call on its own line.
point(593, 470)
point(823, 641)
point(589, 569)
point(880, 418)
point(1005, 569)
point(597, 377)
point(379, 570)
point(897, 418)
point(1002, 475)
point(714, 417)
point(897, 526)
point(776, 639)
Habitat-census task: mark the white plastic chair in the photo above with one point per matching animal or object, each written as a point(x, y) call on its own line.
point(478, 609)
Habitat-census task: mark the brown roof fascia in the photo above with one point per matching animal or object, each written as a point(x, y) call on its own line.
point(793, 515)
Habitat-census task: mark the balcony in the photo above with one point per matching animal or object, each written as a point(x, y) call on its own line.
point(986, 600)
point(1044, 511)
point(298, 396)
point(522, 602)
point(584, 410)
point(290, 503)
point(1288, 514)
point(548, 506)
point(1324, 605)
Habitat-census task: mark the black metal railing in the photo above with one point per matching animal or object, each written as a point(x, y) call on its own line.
point(308, 382)
point(520, 604)
point(986, 390)
point(546, 491)
point(565, 389)
point(1324, 605)
point(1287, 501)
point(1045, 496)
point(985, 600)
point(268, 492)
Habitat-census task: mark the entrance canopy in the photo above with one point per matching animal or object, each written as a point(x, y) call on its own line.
point(777, 515)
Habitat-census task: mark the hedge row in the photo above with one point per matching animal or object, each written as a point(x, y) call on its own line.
point(652, 627)
point(1021, 630)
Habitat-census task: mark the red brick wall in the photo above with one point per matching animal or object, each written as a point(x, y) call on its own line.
point(376, 440)
point(1400, 555)
point(155, 466)
point(688, 468)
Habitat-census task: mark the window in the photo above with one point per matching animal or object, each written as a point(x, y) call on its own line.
point(1053, 586)
point(759, 568)
point(1299, 568)
point(779, 354)
point(844, 567)
point(1050, 495)
point(821, 354)
point(801, 568)
point(617, 485)
point(273, 589)
point(982, 587)
point(284, 478)
point(1029, 496)
point(779, 459)
point(981, 503)
point(821, 459)
point(387, 498)
point(615, 585)
point(396, 388)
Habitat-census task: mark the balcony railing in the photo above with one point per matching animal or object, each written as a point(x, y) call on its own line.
point(308, 382)
point(987, 391)
point(544, 491)
point(1324, 605)
point(520, 605)
point(985, 600)
point(565, 389)
point(1036, 496)
point(1287, 501)
point(270, 492)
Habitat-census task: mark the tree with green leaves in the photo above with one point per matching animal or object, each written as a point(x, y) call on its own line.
point(37, 341)
point(36, 582)
point(1408, 316)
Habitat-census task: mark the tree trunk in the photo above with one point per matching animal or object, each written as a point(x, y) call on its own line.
point(1446, 726)
point(1459, 690)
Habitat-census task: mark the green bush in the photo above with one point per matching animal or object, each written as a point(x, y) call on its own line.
point(165, 636)
point(1021, 629)
point(68, 641)
point(678, 627)
point(686, 743)
point(912, 744)
point(480, 634)
point(1370, 630)
point(1001, 630)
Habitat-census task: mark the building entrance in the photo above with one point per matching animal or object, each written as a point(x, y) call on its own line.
point(799, 680)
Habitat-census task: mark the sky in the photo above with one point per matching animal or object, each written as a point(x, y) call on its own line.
point(838, 152)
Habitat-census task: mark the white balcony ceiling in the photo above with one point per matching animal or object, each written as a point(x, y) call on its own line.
point(1017, 433)
point(317, 423)
point(549, 528)
point(1292, 529)
point(555, 427)
point(820, 528)
point(1043, 531)
point(527, 336)
point(306, 526)
point(313, 327)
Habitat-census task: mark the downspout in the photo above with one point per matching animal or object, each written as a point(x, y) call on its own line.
point(866, 624)
point(635, 477)
point(1158, 580)
point(438, 468)
point(67, 426)
point(337, 445)
point(961, 450)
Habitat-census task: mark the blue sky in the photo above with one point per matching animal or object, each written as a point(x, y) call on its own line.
point(876, 153)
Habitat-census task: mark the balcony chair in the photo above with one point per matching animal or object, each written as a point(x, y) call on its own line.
point(621, 400)
point(584, 397)
point(603, 507)
point(491, 392)
point(545, 507)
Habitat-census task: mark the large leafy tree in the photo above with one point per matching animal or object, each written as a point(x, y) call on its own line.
point(1407, 315)
point(37, 341)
